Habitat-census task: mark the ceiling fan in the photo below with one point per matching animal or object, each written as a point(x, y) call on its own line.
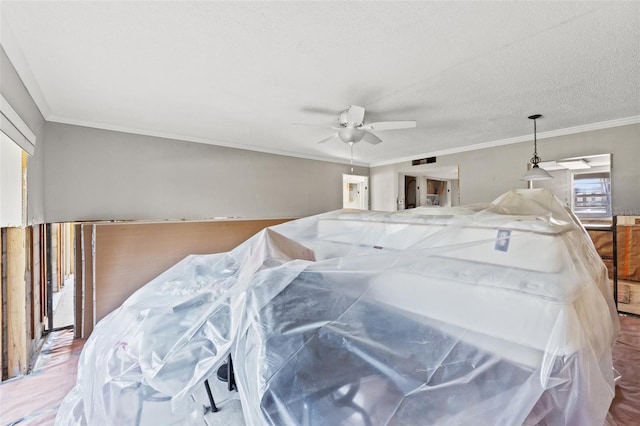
point(351, 127)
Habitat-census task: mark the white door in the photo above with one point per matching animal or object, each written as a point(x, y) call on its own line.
point(355, 192)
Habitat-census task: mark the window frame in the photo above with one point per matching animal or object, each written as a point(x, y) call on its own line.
point(607, 217)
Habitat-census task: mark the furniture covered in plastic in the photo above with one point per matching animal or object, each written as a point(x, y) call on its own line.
point(486, 314)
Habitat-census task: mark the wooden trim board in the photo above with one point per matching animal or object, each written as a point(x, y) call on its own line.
point(77, 299)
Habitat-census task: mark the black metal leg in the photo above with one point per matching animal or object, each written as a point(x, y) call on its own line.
point(226, 374)
point(214, 409)
point(231, 377)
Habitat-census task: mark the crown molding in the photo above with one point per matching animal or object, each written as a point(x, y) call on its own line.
point(215, 142)
point(541, 135)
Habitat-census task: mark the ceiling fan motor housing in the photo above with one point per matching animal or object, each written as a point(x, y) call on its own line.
point(343, 118)
point(351, 117)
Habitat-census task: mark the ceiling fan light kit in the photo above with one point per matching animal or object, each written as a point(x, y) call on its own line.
point(351, 134)
point(352, 128)
point(535, 172)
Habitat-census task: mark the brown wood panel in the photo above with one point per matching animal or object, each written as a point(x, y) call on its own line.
point(629, 252)
point(129, 255)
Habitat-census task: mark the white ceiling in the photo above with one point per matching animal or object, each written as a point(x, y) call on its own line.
point(241, 73)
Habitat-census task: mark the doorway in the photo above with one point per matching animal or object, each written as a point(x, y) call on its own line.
point(435, 193)
point(61, 281)
point(355, 192)
point(410, 192)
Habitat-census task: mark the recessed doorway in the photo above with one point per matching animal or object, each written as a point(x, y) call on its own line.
point(428, 186)
point(355, 192)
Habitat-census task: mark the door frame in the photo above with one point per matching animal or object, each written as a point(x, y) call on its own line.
point(363, 182)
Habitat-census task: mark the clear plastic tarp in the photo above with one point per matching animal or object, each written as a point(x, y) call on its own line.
point(496, 314)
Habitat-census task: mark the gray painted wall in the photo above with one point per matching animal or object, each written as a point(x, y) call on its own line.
point(15, 92)
point(485, 174)
point(94, 174)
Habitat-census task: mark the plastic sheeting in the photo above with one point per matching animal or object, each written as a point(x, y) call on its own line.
point(494, 314)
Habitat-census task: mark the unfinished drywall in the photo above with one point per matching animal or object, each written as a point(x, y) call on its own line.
point(485, 174)
point(94, 174)
point(16, 94)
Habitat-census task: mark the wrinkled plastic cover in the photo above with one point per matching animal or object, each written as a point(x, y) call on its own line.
point(495, 314)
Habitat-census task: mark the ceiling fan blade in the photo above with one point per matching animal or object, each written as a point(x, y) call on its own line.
point(328, 138)
point(356, 114)
point(324, 126)
point(371, 138)
point(390, 125)
point(318, 110)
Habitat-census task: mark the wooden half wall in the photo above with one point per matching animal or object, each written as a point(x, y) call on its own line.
point(114, 259)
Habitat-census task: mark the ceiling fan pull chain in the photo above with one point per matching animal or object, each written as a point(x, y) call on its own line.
point(351, 144)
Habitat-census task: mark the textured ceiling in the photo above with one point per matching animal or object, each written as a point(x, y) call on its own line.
point(241, 74)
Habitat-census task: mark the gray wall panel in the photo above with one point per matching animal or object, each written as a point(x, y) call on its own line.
point(95, 174)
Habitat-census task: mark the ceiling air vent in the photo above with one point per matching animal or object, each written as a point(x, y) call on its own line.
point(428, 160)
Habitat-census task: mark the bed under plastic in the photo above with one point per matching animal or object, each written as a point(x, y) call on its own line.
point(496, 314)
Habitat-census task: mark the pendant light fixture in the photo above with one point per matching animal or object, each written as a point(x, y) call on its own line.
point(535, 172)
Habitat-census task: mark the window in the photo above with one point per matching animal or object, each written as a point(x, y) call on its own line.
point(16, 141)
point(584, 185)
point(592, 195)
point(12, 183)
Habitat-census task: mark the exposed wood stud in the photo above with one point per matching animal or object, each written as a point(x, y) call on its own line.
point(17, 361)
point(78, 281)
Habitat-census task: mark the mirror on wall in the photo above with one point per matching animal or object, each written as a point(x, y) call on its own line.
point(584, 184)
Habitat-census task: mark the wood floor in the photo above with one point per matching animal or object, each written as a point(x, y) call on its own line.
point(33, 399)
point(625, 408)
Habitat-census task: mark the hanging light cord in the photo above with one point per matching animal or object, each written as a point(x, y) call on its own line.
point(535, 159)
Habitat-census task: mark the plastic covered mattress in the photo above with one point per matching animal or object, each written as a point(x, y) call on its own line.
point(496, 314)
